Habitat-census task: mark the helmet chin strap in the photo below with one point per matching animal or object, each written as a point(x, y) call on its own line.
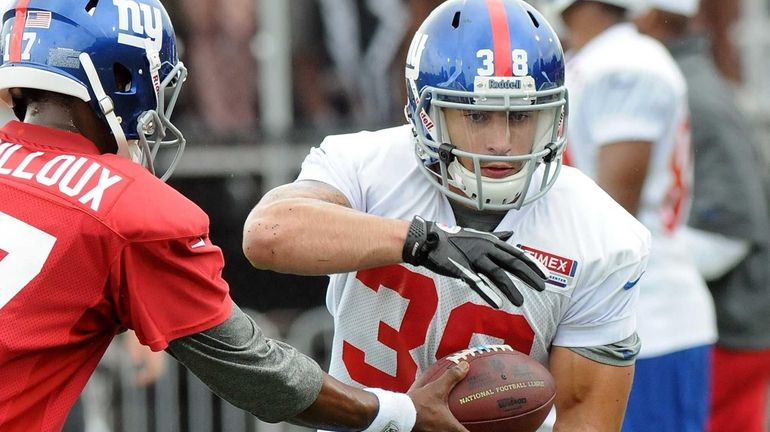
point(108, 109)
point(495, 191)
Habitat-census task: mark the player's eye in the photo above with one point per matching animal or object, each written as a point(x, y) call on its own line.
point(519, 116)
point(477, 116)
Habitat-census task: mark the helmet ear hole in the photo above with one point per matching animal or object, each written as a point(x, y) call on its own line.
point(91, 5)
point(456, 20)
point(534, 20)
point(122, 77)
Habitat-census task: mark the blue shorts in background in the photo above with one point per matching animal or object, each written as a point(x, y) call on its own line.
point(670, 393)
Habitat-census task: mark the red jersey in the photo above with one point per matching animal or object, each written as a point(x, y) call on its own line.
point(90, 244)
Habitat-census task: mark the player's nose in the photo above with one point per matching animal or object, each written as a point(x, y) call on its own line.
point(499, 146)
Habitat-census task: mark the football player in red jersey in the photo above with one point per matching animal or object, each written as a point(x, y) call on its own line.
point(91, 242)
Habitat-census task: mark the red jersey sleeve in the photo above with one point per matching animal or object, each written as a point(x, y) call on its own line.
point(170, 288)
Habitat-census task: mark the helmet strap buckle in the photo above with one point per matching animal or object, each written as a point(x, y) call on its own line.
point(551, 153)
point(445, 154)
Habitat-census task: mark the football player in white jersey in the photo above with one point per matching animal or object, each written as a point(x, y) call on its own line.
point(630, 131)
point(487, 110)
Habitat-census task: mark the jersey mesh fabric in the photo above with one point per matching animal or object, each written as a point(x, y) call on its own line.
point(53, 331)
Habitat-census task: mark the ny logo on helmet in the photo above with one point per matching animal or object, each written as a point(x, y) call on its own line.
point(138, 18)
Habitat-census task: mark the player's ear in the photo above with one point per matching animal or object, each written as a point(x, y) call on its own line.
point(90, 126)
point(18, 103)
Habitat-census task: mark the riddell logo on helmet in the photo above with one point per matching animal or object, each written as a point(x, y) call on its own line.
point(505, 84)
point(426, 121)
point(137, 18)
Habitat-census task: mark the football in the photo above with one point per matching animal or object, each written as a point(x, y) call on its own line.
point(504, 390)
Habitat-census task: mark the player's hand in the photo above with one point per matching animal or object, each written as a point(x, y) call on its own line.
point(480, 259)
point(433, 413)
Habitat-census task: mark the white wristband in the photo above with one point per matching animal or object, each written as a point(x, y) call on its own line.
point(396, 414)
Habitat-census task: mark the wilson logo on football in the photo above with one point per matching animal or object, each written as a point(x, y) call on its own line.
point(136, 18)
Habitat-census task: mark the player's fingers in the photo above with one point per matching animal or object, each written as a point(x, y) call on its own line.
point(486, 289)
point(451, 377)
point(457, 427)
point(444, 384)
point(503, 235)
point(525, 258)
point(477, 282)
point(520, 269)
point(500, 279)
point(445, 267)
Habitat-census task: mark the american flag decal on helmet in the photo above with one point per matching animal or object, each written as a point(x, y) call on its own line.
point(38, 19)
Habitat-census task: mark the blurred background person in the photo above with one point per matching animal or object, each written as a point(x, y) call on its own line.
point(720, 18)
point(353, 61)
point(629, 130)
point(418, 11)
point(730, 222)
point(218, 40)
point(363, 38)
point(310, 63)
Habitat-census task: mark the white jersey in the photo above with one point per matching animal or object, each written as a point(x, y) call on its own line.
point(393, 322)
point(624, 86)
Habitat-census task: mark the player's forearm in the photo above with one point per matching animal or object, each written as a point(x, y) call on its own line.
point(590, 397)
point(585, 410)
point(307, 236)
point(622, 170)
point(265, 377)
point(339, 407)
point(587, 419)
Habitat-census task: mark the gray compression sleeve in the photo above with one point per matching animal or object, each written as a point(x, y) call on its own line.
point(622, 353)
point(267, 378)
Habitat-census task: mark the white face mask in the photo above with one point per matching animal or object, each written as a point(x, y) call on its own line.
point(496, 152)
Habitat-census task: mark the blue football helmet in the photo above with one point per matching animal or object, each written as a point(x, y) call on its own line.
point(486, 59)
point(118, 55)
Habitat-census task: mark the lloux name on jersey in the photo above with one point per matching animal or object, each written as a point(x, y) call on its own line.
point(60, 172)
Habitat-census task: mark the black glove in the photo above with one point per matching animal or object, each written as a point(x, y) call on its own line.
point(480, 259)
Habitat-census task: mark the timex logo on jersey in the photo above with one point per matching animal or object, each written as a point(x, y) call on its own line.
point(76, 177)
point(562, 269)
